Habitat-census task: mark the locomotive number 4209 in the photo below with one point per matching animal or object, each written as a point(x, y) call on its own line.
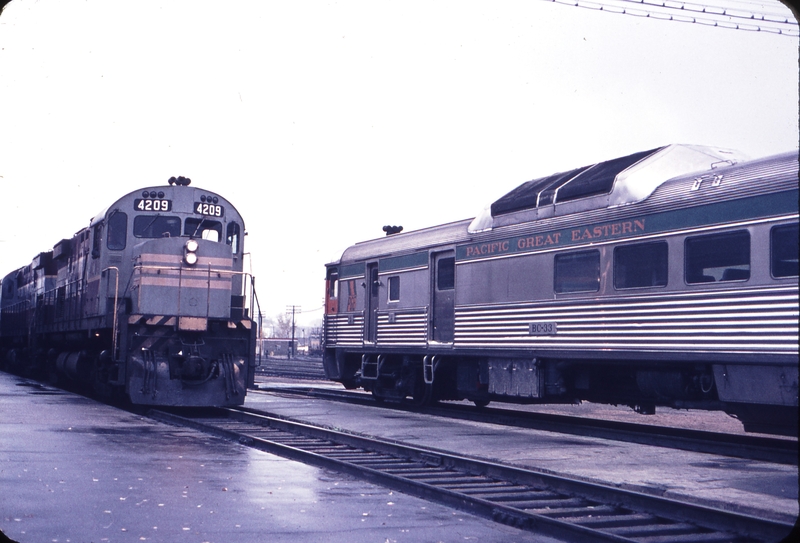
point(211, 210)
point(148, 204)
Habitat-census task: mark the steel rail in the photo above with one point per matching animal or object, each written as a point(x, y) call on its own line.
point(527, 499)
point(767, 449)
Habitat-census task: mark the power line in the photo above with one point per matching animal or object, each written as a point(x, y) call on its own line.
point(705, 14)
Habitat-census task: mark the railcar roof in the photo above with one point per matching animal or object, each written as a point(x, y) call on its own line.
point(619, 181)
point(415, 240)
point(646, 173)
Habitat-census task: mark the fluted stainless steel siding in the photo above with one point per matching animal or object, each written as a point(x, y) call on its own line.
point(344, 330)
point(756, 320)
point(410, 328)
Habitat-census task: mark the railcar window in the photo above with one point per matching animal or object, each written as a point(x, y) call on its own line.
point(641, 265)
point(446, 274)
point(784, 249)
point(233, 237)
point(374, 281)
point(117, 231)
point(718, 257)
point(394, 289)
point(333, 284)
point(577, 272)
point(204, 228)
point(156, 226)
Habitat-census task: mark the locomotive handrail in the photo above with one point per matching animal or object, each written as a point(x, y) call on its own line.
point(116, 311)
point(245, 275)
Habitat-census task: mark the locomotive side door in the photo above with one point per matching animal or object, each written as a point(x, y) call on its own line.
point(443, 289)
point(373, 290)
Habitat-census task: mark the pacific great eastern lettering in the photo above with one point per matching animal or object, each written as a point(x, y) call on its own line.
point(564, 237)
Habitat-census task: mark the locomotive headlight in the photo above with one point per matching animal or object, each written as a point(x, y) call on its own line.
point(190, 254)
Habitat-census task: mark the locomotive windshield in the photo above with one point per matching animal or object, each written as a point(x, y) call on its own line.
point(203, 228)
point(156, 226)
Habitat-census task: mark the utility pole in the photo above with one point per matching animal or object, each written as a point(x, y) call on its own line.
point(294, 309)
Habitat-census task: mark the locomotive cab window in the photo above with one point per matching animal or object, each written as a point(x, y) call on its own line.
point(97, 240)
point(232, 238)
point(156, 226)
point(718, 257)
point(783, 250)
point(203, 228)
point(117, 231)
point(394, 289)
point(641, 265)
point(577, 272)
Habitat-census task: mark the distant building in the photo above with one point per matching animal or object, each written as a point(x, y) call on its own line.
point(275, 347)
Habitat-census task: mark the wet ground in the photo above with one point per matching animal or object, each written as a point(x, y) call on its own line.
point(760, 488)
point(74, 470)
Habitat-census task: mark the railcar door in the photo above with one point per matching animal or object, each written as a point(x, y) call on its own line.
point(444, 283)
point(371, 317)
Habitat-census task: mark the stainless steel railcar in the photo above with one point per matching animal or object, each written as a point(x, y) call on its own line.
point(149, 301)
point(668, 277)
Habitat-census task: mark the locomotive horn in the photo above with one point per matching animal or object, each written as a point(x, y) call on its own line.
point(180, 181)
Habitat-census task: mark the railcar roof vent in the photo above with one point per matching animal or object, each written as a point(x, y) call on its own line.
point(619, 181)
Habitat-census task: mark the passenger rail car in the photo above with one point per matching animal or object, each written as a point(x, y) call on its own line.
point(665, 278)
point(148, 301)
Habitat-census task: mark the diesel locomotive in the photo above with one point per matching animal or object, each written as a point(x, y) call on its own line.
point(149, 302)
point(668, 277)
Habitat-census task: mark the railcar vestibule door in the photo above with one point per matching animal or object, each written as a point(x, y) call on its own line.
point(444, 283)
point(372, 295)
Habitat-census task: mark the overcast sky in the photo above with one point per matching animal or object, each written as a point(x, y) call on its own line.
point(324, 121)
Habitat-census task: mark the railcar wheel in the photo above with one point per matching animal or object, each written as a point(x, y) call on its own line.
point(377, 396)
point(349, 384)
point(423, 395)
point(480, 404)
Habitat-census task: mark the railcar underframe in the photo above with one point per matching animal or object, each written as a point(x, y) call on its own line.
point(427, 376)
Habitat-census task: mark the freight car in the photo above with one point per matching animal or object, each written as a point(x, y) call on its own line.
point(149, 302)
point(668, 277)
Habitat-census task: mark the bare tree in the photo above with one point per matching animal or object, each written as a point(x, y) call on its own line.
point(282, 326)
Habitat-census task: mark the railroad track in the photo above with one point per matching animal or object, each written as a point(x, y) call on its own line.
point(527, 499)
point(751, 447)
point(303, 368)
